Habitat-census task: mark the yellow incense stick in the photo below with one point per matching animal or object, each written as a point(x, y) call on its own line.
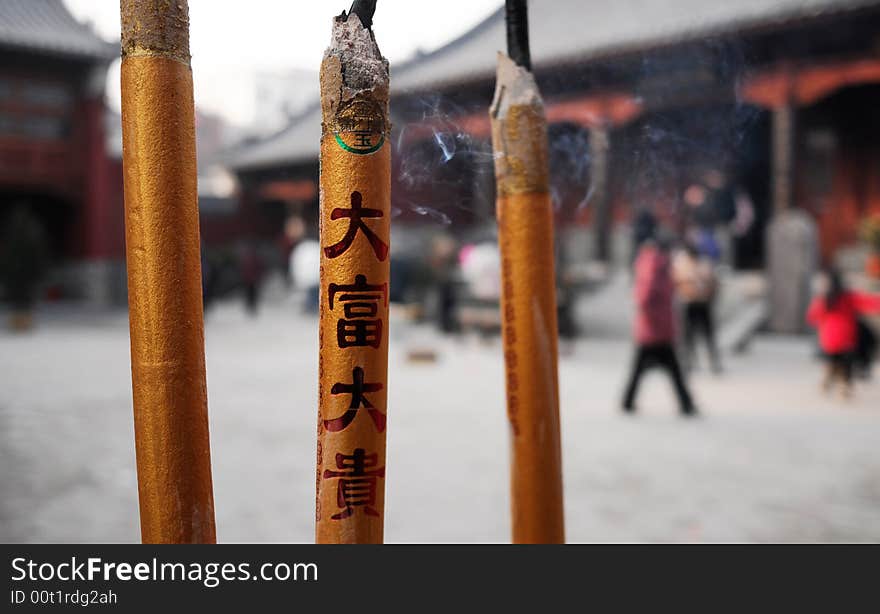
point(355, 226)
point(164, 275)
point(528, 304)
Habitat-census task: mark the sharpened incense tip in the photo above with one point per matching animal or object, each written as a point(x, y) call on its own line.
point(155, 28)
point(519, 131)
point(515, 86)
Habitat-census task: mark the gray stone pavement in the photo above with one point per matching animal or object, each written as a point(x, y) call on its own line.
point(771, 459)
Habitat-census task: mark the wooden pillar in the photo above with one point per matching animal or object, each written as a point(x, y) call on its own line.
point(599, 170)
point(784, 127)
point(98, 241)
point(791, 235)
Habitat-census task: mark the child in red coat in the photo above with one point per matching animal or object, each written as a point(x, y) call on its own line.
point(835, 314)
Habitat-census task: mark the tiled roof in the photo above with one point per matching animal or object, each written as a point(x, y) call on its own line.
point(578, 30)
point(46, 26)
point(560, 31)
point(296, 143)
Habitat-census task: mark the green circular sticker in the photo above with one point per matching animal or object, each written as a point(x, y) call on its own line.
point(360, 127)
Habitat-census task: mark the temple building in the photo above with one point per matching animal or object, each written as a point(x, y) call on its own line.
point(61, 152)
point(651, 105)
point(54, 157)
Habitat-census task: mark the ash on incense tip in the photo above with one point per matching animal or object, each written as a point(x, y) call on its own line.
point(354, 45)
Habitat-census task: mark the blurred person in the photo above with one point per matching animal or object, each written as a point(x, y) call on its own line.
point(566, 293)
point(866, 349)
point(704, 209)
point(443, 262)
point(654, 329)
point(481, 270)
point(24, 259)
point(707, 244)
point(720, 197)
point(696, 286)
point(835, 315)
point(695, 196)
point(406, 279)
point(744, 218)
point(480, 265)
point(294, 232)
point(644, 228)
point(209, 279)
point(305, 271)
point(251, 269)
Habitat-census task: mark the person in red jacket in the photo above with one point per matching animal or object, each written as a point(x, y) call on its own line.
point(835, 314)
point(654, 329)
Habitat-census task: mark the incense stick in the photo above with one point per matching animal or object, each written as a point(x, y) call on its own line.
point(355, 207)
point(528, 293)
point(164, 275)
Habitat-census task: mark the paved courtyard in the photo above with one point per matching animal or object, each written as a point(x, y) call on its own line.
point(770, 459)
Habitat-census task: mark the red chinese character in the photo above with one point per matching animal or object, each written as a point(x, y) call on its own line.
point(357, 482)
point(356, 389)
point(356, 215)
point(361, 304)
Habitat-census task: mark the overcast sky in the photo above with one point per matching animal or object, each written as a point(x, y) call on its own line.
point(231, 39)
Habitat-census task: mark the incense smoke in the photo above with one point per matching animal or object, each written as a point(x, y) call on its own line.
point(442, 170)
point(438, 160)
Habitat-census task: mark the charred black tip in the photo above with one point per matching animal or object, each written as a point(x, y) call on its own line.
point(517, 15)
point(364, 9)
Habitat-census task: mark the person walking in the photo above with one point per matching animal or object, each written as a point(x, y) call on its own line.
point(654, 328)
point(443, 263)
point(643, 229)
point(251, 268)
point(24, 261)
point(835, 315)
point(696, 285)
point(866, 349)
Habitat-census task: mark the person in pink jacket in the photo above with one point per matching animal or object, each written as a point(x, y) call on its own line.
point(654, 328)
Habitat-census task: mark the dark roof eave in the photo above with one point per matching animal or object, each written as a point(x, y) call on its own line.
point(644, 46)
point(265, 166)
point(107, 56)
point(741, 27)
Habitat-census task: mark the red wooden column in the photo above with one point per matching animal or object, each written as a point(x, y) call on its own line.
point(98, 239)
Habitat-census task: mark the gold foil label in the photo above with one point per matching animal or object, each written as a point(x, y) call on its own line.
point(359, 126)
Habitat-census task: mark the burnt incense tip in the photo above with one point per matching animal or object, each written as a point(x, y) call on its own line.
point(355, 56)
point(155, 27)
point(364, 9)
point(517, 18)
